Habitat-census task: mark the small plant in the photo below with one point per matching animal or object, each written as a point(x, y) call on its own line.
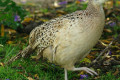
point(10, 14)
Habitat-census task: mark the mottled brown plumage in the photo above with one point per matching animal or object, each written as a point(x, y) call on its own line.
point(68, 39)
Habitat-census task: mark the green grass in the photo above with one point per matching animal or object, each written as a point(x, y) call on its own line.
point(109, 76)
point(25, 67)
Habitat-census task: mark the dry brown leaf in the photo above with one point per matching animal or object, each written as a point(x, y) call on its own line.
point(105, 41)
point(81, 73)
point(118, 2)
point(60, 12)
point(77, 2)
point(116, 72)
point(36, 76)
point(29, 78)
point(109, 4)
point(9, 42)
point(44, 20)
point(10, 31)
point(2, 30)
point(108, 30)
point(2, 64)
point(117, 56)
point(27, 20)
point(90, 57)
point(93, 53)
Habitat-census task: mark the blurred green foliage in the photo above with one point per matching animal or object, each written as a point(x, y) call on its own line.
point(4, 39)
point(74, 7)
point(8, 11)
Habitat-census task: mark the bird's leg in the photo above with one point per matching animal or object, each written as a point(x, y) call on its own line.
point(88, 70)
point(65, 70)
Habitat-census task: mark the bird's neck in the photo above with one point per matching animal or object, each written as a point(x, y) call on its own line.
point(95, 8)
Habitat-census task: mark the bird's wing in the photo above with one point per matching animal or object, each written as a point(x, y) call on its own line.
point(44, 34)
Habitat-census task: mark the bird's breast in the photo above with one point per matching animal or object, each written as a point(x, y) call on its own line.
point(74, 42)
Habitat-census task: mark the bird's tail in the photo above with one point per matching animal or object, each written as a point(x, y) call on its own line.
point(27, 51)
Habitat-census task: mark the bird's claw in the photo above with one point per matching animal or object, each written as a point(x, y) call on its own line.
point(88, 70)
point(91, 72)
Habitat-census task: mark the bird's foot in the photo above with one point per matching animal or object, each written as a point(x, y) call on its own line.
point(88, 70)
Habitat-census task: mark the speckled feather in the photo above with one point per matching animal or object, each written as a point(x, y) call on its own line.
point(44, 35)
point(69, 38)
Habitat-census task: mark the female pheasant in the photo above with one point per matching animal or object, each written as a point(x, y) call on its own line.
point(68, 39)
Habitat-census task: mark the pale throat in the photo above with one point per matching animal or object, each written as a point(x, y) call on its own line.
point(95, 7)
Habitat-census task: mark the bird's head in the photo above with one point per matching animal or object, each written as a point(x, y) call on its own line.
point(98, 2)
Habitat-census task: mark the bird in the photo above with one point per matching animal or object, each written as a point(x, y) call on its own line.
point(68, 39)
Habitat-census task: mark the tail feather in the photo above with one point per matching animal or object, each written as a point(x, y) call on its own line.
point(27, 51)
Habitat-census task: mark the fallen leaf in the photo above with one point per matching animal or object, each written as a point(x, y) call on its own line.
point(2, 30)
point(9, 42)
point(117, 56)
point(29, 78)
point(90, 57)
point(10, 31)
point(77, 2)
point(36, 76)
point(81, 73)
point(116, 72)
point(44, 20)
point(109, 4)
point(105, 41)
point(27, 20)
point(2, 64)
point(119, 2)
point(60, 12)
point(108, 30)
point(86, 60)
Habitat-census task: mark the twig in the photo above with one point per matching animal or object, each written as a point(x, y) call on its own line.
point(107, 48)
point(103, 51)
